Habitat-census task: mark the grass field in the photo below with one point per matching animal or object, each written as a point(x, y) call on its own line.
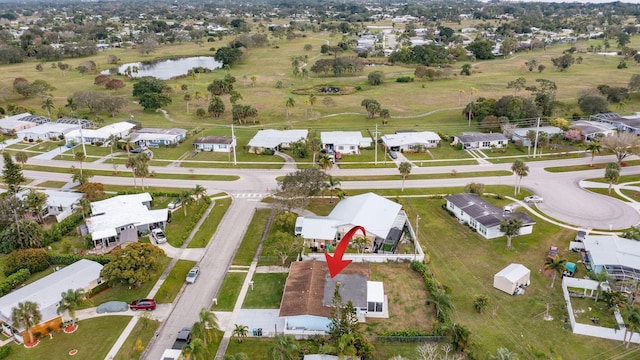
point(252, 236)
point(174, 281)
point(229, 291)
point(210, 225)
point(142, 332)
point(267, 291)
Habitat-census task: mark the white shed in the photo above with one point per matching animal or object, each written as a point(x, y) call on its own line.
point(511, 277)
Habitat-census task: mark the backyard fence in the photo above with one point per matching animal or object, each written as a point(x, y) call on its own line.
point(412, 339)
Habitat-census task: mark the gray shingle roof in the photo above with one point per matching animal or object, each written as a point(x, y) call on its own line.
point(476, 136)
point(485, 213)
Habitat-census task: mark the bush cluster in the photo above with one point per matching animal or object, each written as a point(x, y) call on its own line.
point(13, 281)
point(68, 259)
point(5, 351)
point(35, 260)
point(431, 284)
point(58, 230)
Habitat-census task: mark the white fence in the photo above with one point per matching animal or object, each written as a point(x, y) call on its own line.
point(593, 330)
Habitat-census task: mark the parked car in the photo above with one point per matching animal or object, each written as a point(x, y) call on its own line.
point(138, 150)
point(193, 275)
point(143, 304)
point(183, 338)
point(174, 204)
point(533, 199)
point(553, 252)
point(393, 155)
point(158, 236)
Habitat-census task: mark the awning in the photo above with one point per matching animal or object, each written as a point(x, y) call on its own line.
point(103, 234)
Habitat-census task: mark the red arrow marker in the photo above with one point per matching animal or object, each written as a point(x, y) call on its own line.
point(335, 262)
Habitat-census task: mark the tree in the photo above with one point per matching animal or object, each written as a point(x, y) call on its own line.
point(114, 84)
point(240, 332)
point(92, 191)
point(622, 144)
point(36, 201)
point(510, 227)
point(80, 157)
point(442, 303)
point(148, 45)
point(333, 184)
point(149, 84)
point(481, 49)
point(22, 157)
point(199, 191)
point(185, 198)
point(373, 107)
point(343, 318)
point(47, 104)
point(290, 104)
point(296, 188)
point(326, 162)
point(601, 278)
point(195, 350)
point(284, 348)
point(315, 145)
point(141, 167)
point(520, 170)
point(623, 39)
point(593, 147)
point(555, 264)
point(504, 354)
point(612, 175)
point(22, 234)
point(631, 316)
point(405, 169)
point(216, 106)
point(517, 85)
point(375, 78)
point(26, 314)
point(71, 301)
point(634, 83)
point(592, 103)
point(480, 303)
point(153, 101)
point(228, 56)
point(207, 328)
point(563, 62)
point(459, 336)
point(133, 264)
point(544, 95)
point(12, 174)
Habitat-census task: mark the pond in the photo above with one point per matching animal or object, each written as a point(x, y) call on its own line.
point(166, 69)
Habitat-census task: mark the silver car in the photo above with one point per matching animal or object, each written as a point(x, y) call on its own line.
point(193, 275)
point(158, 236)
point(533, 199)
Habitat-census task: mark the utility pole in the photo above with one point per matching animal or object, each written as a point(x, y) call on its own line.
point(415, 241)
point(535, 144)
point(84, 149)
point(375, 140)
point(233, 144)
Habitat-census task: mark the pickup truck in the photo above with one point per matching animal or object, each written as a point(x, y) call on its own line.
point(183, 338)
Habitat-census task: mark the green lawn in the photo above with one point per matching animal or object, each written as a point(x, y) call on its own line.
point(127, 174)
point(252, 236)
point(602, 166)
point(93, 340)
point(143, 332)
point(181, 224)
point(427, 176)
point(52, 184)
point(174, 281)
point(229, 291)
point(124, 293)
point(267, 291)
point(210, 225)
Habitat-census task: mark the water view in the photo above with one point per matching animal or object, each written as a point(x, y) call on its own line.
point(165, 69)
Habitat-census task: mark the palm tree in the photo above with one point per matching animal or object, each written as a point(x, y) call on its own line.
point(593, 147)
point(240, 332)
point(22, 157)
point(315, 145)
point(185, 198)
point(131, 164)
point(71, 301)
point(141, 167)
point(290, 104)
point(326, 163)
point(312, 101)
point(187, 99)
point(360, 242)
point(112, 140)
point(405, 170)
point(332, 184)
point(631, 316)
point(520, 169)
point(35, 201)
point(26, 314)
point(504, 354)
point(557, 265)
point(284, 348)
point(80, 157)
point(459, 336)
point(199, 192)
point(25, 234)
point(442, 302)
point(612, 175)
point(480, 302)
point(600, 277)
point(207, 328)
point(47, 104)
point(195, 350)
point(510, 227)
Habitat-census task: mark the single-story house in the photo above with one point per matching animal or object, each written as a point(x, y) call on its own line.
point(48, 131)
point(271, 139)
point(154, 138)
point(384, 221)
point(36, 119)
point(411, 141)
point(620, 257)
point(512, 278)
point(344, 142)
point(119, 219)
point(101, 135)
point(484, 217)
point(477, 140)
point(59, 203)
point(308, 295)
point(83, 274)
point(214, 143)
point(593, 130)
point(623, 123)
point(520, 134)
point(14, 123)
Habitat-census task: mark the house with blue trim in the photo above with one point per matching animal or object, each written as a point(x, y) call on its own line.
point(155, 138)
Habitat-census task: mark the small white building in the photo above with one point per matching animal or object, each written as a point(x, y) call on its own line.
point(476, 140)
point(594, 130)
point(271, 139)
point(512, 278)
point(154, 138)
point(214, 143)
point(59, 203)
point(101, 135)
point(45, 132)
point(344, 142)
point(13, 123)
point(411, 141)
point(620, 257)
point(520, 134)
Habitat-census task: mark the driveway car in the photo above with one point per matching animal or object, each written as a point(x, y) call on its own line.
point(174, 204)
point(138, 150)
point(553, 252)
point(533, 199)
point(393, 155)
point(193, 275)
point(158, 236)
point(143, 304)
point(183, 338)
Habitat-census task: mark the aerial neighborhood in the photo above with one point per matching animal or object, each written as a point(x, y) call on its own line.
point(320, 180)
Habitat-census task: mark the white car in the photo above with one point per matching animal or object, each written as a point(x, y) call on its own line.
point(174, 204)
point(533, 199)
point(193, 275)
point(158, 236)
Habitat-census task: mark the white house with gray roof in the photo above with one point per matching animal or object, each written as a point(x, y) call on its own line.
point(622, 123)
point(275, 139)
point(484, 217)
point(411, 141)
point(594, 130)
point(520, 134)
point(477, 140)
point(154, 137)
point(214, 143)
point(59, 203)
point(344, 142)
point(620, 257)
point(101, 135)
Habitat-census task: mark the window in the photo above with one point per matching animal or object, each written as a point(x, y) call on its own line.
point(352, 147)
point(451, 206)
point(486, 144)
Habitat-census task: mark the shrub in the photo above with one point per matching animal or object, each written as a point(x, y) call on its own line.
point(33, 259)
point(5, 351)
point(57, 231)
point(404, 79)
point(13, 281)
point(68, 259)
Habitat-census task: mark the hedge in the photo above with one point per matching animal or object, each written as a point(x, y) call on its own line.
point(13, 281)
point(35, 260)
point(431, 284)
point(68, 259)
point(58, 230)
point(5, 351)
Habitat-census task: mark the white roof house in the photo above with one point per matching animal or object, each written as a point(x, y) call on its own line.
point(511, 277)
point(592, 130)
point(46, 131)
point(520, 134)
point(273, 139)
point(92, 136)
point(59, 203)
point(14, 123)
point(619, 256)
point(83, 274)
point(345, 142)
point(410, 140)
point(153, 137)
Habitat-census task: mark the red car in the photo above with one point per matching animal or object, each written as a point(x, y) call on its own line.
point(553, 252)
point(143, 304)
